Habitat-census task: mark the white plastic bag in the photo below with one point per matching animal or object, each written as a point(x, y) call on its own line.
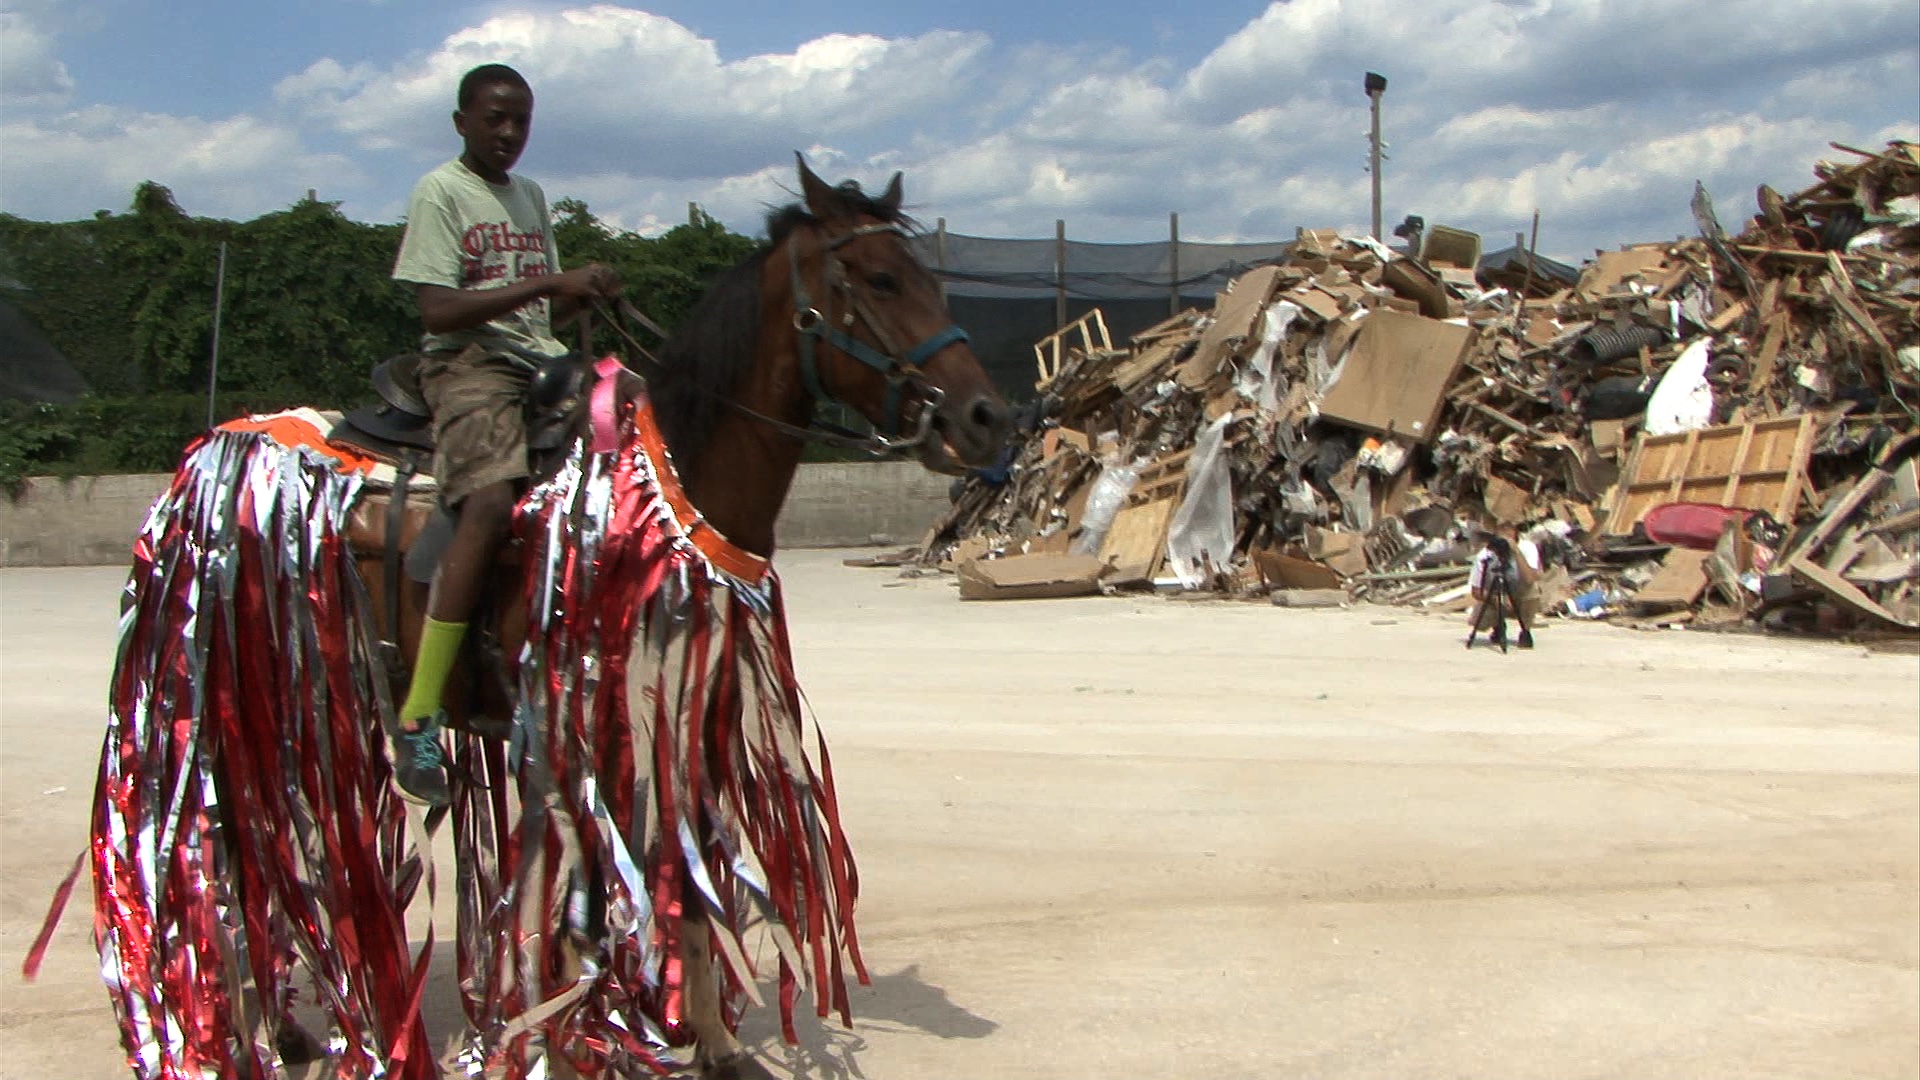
point(1257, 383)
point(1683, 401)
point(1200, 540)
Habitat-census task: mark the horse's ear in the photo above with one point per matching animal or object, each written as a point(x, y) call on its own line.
point(891, 200)
point(818, 196)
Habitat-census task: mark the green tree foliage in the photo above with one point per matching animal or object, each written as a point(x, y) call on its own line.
point(665, 274)
point(308, 308)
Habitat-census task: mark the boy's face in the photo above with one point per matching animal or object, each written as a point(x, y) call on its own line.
point(495, 126)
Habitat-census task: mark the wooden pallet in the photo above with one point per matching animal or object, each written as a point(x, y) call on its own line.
point(1758, 466)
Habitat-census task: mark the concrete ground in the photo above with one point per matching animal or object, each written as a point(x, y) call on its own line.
point(1154, 838)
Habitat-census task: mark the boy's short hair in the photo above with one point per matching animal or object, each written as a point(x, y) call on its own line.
point(486, 75)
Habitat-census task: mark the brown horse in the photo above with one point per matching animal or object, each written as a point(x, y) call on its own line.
point(660, 794)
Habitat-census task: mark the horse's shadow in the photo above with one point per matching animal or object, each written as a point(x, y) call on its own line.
point(900, 1002)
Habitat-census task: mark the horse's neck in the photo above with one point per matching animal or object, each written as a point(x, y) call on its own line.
point(742, 477)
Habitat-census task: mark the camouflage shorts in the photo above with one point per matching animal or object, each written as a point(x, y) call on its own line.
point(479, 424)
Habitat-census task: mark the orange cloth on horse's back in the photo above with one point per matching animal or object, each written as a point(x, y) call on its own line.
point(292, 429)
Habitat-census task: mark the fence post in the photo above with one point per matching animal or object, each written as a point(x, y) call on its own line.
point(1059, 272)
point(219, 301)
point(1173, 264)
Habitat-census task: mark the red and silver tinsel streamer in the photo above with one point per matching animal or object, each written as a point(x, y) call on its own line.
point(660, 717)
point(244, 828)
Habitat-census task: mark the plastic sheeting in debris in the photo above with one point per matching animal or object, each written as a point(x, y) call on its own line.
point(1200, 541)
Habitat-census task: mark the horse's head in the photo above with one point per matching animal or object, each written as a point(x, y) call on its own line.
point(874, 332)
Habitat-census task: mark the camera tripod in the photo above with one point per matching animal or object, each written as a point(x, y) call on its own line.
point(1499, 602)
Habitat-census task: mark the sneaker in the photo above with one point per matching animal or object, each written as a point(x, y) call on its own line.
point(420, 765)
point(1526, 639)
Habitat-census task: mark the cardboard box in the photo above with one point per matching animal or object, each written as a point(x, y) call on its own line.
point(1344, 553)
point(1031, 577)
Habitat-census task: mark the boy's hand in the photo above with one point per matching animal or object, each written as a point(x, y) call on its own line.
point(583, 285)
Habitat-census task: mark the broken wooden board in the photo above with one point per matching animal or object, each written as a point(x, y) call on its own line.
point(1611, 270)
point(1151, 364)
point(1757, 466)
point(1396, 375)
point(1844, 592)
point(1678, 584)
point(1136, 543)
point(1235, 313)
point(1344, 553)
point(1164, 478)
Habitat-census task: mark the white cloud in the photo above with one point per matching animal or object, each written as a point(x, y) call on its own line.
point(73, 163)
point(620, 88)
point(30, 73)
point(1599, 113)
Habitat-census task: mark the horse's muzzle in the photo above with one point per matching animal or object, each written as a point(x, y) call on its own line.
point(972, 432)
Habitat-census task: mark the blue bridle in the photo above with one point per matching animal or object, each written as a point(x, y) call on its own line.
point(902, 369)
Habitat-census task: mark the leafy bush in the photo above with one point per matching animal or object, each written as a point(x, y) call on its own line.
point(308, 308)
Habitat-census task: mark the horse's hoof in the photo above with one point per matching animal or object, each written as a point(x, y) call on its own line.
point(735, 1066)
point(296, 1045)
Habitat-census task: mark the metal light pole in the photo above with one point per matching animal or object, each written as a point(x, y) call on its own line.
point(1376, 86)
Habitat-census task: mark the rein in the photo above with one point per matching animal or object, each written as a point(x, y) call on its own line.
point(814, 327)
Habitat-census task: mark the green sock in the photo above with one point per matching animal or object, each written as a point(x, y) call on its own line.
point(439, 645)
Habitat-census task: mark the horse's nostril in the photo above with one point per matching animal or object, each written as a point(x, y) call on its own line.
point(988, 413)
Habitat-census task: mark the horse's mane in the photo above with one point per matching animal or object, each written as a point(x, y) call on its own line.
point(704, 360)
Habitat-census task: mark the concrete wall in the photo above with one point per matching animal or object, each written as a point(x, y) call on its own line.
point(90, 521)
point(85, 521)
point(875, 502)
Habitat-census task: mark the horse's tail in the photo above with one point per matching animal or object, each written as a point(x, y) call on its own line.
point(244, 824)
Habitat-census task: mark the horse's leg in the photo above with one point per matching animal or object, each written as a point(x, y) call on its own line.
point(721, 1057)
point(292, 1041)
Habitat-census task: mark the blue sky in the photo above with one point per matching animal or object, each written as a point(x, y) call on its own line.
point(1246, 118)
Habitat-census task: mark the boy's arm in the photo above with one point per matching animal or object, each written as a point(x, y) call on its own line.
point(430, 260)
point(444, 310)
point(567, 308)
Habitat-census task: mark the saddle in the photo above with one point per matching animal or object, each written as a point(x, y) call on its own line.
point(398, 429)
point(399, 422)
point(411, 534)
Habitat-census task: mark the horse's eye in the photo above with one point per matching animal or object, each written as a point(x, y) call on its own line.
point(884, 283)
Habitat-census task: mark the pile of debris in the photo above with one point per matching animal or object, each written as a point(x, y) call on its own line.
point(1350, 417)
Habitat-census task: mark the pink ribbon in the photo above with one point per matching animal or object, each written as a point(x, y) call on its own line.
point(606, 429)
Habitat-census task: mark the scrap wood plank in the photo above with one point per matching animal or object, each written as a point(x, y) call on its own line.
point(1235, 313)
point(1176, 324)
point(1136, 543)
point(1144, 365)
point(1844, 591)
point(1848, 301)
point(1165, 478)
point(1836, 519)
point(1679, 582)
point(1770, 347)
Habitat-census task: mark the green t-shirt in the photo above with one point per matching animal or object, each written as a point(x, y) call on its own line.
point(465, 233)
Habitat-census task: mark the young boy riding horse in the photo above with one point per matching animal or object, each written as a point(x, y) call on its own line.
point(479, 252)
